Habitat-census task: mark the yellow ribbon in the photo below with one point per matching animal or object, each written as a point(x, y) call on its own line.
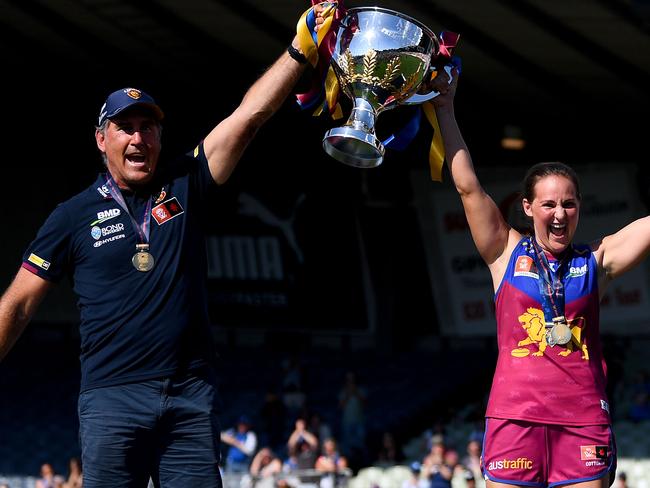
point(332, 93)
point(437, 149)
point(310, 50)
point(307, 46)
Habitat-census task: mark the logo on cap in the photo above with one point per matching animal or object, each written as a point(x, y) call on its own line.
point(133, 93)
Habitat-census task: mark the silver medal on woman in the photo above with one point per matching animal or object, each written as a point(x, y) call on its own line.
point(558, 332)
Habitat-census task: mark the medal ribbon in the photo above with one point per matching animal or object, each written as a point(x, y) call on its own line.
point(551, 285)
point(318, 48)
point(142, 230)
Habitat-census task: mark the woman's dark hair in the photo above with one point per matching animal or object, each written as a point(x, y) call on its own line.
point(541, 170)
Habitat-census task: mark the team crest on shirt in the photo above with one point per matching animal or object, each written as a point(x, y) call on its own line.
point(533, 322)
point(525, 266)
point(167, 210)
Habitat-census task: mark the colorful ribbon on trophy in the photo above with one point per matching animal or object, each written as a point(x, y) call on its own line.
point(448, 42)
point(403, 138)
point(437, 148)
point(318, 46)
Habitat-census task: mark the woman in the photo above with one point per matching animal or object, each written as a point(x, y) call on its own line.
point(547, 420)
point(330, 464)
point(75, 476)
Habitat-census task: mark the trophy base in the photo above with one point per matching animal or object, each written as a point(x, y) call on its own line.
point(354, 147)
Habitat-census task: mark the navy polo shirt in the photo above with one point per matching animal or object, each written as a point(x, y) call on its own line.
point(134, 325)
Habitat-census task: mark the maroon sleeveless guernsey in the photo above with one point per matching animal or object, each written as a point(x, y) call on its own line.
point(534, 381)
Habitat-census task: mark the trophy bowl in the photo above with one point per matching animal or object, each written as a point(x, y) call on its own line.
point(380, 58)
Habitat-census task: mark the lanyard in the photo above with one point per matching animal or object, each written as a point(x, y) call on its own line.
point(551, 284)
point(142, 230)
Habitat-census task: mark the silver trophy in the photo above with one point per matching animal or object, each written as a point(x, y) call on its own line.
point(380, 59)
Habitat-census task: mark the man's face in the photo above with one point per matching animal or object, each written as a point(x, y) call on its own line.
point(131, 143)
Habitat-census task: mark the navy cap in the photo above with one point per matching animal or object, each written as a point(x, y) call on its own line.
point(244, 419)
point(127, 97)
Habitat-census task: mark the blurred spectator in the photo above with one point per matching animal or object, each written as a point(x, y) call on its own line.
point(435, 468)
point(274, 418)
point(436, 453)
point(292, 376)
point(389, 453)
point(302, 446)
point(48, 478)
point(458, 471)
point(331, 464)
point(433, 435)
point(330, 461)
point(472, 460)
point(621, 480)
point(75, 479)
point(470, 479)
point(352, 402)
point(416, 480)
point(293, 394)
point(640, 408)
point(242, 442)
point(641, 382)
point(319, 427)
point(265, 464)
point(263, 470)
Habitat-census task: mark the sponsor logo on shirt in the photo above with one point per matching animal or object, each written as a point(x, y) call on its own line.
point(99, 232)
point(109, 239)
point(38, 261)
point(105, 215)
point(576, 271)
point(519, 463)
point(104, 191)
point(525, 266)
point(167, 210)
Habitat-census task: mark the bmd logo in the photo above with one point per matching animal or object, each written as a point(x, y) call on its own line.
point(105, 215)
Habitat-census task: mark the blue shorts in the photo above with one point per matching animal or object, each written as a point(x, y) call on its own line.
point(165, 429)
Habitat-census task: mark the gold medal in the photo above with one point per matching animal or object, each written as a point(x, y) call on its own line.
point(143, 260)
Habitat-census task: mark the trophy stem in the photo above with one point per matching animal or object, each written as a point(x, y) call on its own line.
point(355, 143)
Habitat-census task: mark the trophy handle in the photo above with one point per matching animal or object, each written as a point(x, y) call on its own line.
point(418, 98)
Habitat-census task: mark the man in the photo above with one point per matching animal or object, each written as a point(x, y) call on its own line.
point(133, 243)
point(242, 443)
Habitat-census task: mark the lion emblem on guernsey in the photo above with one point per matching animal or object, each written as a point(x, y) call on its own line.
point(532, 322)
